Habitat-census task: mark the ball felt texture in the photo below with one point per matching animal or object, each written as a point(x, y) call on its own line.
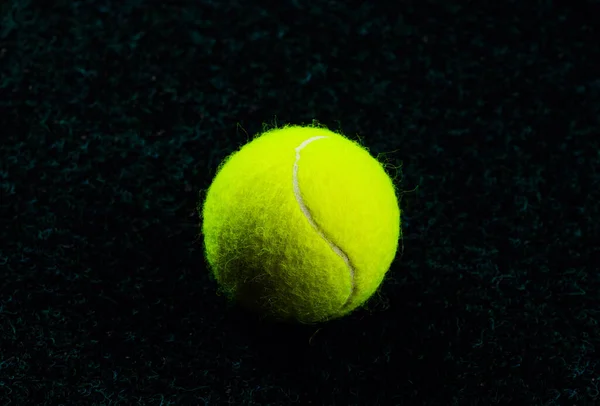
point(301, 224)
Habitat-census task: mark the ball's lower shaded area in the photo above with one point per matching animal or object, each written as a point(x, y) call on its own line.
point(301, 224)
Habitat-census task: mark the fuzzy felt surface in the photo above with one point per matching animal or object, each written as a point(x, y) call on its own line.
point(301, 224)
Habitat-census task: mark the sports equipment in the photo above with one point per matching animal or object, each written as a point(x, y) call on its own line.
point(301, 224)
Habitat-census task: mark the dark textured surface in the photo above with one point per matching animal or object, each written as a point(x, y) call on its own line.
point(114, 115)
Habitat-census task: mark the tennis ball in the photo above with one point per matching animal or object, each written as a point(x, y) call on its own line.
point(301, 224)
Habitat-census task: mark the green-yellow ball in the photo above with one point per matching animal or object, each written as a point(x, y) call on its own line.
point(301, 224)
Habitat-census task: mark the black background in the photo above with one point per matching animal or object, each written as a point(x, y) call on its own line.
point(115, 115)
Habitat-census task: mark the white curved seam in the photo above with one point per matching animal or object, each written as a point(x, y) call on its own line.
point(308, 215)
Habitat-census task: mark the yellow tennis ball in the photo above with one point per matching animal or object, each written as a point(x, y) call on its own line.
point(301, 224)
